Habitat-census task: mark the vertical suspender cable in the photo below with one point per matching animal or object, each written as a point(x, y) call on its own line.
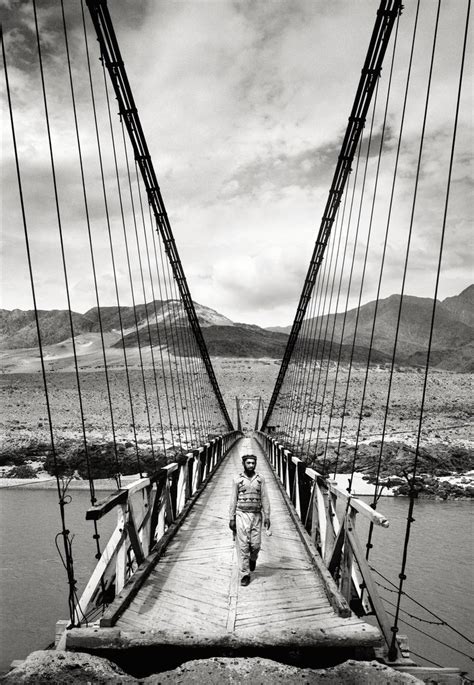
point(369, 355)
point(91, 250)
point(113, 61)
point(142, 280)
point(318, 340)
point(111, 245)
point(175, 343)
point(158, 334)
point(384, 251)
point(331, 336)
point(63, 257)
point(410, 519)
point(322, 336)
point(165, 302)
point(386, 15)
point(96, 535)
point(129, 266)
point(60, 489)
point(304, 344)
point(367, 244)
point(341, 341)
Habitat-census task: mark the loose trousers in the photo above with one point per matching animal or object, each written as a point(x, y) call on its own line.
point(249, 538)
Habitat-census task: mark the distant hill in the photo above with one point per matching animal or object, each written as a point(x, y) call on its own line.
point(453, 340)
point(462, 306)
point(453, 330)
point(18, 328)
point(222, 340)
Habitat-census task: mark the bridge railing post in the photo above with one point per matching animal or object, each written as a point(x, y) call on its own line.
point(315, 500)
point(287, 479)
point(146, 509)
point(281, 463)
point(196, 471)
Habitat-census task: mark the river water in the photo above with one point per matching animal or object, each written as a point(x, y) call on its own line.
point(33, 588)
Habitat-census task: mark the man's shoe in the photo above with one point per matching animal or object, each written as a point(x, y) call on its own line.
point(245, 580)
point(252, 564)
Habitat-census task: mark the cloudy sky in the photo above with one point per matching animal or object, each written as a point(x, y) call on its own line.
point(244, 106)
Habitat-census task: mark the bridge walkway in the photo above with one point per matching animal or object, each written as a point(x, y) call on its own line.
point(194, 596)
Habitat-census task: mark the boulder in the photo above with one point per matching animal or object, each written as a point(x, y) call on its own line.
point(75, 668)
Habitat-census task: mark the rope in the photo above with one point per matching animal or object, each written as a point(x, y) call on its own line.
point(331, 412)
point(422, 606)
point(189, 420)
point(331, 337)
point(362, 194)
point(159, 264)
point(175, 350)
point(392, 649)
point(372, 210)
point(150, 276)
point(423, 632)
point(378, 491)
point(313, 337)
point(314, 355)
point(298, 362)
point(127, 254)
point(63, 254)
point(69, 564)
point(372, 334)
point(91, 249)
point(142, 280)
point(110, 240)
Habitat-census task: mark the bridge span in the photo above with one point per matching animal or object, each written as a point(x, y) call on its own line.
point(165, 584)
point(192, 599)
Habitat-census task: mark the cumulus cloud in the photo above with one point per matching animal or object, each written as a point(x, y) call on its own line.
point(244, 106)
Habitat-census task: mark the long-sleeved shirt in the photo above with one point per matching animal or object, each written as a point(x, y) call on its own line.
point(249, 494)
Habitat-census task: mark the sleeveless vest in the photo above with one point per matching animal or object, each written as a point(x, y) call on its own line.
point(249, 496)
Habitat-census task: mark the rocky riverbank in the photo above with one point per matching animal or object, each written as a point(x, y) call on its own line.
point(443, 471)
point(72, 668)
point(444, 464)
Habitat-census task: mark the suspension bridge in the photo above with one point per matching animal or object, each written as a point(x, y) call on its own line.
point(165, 586)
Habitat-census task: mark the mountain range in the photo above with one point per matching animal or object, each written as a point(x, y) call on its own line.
point(453, 333)
point(453, 339)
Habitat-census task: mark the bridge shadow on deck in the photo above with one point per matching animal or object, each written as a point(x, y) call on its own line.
point(193, 606)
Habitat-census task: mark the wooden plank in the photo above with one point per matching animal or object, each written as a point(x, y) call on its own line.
point(360, 506)
point(113, 546)
point(103, 507)
point(334, 597)
point(194, 588)
point(121, 560)
point(184, 595)
point(124, 598)
point(350, 633)
point(379, 608)
point(287, 602)
point(284, 618)
point(135, 541)
point(346, 565)
point(233, 593)
point(430, 674)
point(321, 518)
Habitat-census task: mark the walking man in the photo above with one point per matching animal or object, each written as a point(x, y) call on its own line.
point(249, 499)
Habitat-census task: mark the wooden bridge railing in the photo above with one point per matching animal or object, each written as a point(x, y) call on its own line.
point(328, 515)
point(146, 511)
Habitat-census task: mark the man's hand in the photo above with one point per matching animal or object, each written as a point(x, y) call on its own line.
point(232, 525)
point(266, 522)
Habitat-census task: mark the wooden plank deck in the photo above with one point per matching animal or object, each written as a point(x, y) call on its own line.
point(195, 589)
point(192, 602)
